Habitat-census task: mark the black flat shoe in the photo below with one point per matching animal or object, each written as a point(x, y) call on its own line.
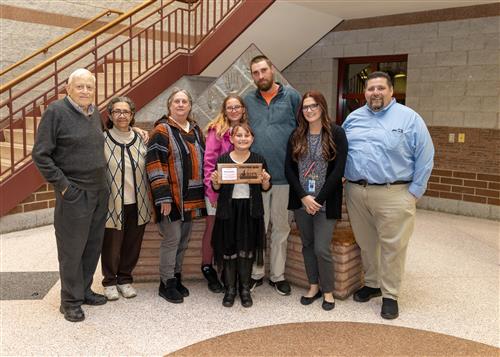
point(72, 314)
point(304, 300)
point(390, 309)
point(327, 306)
point(366, 293)
point(94, 299)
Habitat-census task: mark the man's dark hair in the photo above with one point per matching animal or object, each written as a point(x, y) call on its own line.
point(261, 58)
point(379, 74)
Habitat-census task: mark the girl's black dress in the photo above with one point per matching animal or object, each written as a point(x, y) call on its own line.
point(239, 230)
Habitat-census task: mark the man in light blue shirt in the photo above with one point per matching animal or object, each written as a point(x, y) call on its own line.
point(389, 161)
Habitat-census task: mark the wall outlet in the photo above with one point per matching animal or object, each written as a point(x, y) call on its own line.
point(451, 138)
point(461, 137)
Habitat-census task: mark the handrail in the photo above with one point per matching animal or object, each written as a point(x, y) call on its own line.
point(149, 41)
point(57, 40)
point(74, 46)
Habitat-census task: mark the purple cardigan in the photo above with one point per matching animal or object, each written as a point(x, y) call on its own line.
point(214, 147)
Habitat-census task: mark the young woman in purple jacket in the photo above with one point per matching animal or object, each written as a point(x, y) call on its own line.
point(232, 112)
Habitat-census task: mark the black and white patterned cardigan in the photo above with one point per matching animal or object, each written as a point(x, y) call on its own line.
point(115, 158)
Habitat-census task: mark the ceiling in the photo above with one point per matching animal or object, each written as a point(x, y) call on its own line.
point(357, 9)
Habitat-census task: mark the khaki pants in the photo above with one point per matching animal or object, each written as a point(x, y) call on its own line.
point(382, 219)
point(275, 210)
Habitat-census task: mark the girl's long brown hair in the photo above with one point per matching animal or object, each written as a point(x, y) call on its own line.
point(299, 138)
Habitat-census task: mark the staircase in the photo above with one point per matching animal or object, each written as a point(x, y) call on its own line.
point(149, 48)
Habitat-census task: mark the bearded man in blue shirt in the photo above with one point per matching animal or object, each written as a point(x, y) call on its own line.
point(390, 159)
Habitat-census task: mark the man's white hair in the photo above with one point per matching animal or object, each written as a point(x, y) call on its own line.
point(80, 72)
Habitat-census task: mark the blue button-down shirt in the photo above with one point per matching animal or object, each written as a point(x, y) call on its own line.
point(387, 146)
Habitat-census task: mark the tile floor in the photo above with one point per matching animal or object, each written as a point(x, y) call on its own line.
point(451, 286)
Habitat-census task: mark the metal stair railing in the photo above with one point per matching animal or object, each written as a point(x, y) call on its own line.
point(120, 54)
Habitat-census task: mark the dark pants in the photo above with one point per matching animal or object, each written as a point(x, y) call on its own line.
point(121, 248)
point(79, 225)
point(316, 233)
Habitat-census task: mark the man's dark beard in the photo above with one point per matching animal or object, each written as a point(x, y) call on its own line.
point(264, 87)
point(377, 108)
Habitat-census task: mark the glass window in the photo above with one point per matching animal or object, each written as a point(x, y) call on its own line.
point(353, 73)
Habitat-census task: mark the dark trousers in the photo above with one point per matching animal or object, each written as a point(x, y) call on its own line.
point(121, 248)
point(79, 226)
point(316, 233)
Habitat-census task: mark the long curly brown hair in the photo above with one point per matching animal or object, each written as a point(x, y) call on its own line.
point(299, 137)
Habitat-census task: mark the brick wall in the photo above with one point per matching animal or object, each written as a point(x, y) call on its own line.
point(453, 83)
point(42, 198)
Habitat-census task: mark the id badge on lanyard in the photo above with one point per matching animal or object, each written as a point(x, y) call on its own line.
point(311, 178)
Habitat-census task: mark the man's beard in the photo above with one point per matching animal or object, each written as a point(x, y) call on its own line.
point(265, 85)
point(376, 107)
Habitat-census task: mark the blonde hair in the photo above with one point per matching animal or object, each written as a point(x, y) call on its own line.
point(221, 122)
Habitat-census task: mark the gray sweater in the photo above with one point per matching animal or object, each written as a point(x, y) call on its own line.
point(69, 148)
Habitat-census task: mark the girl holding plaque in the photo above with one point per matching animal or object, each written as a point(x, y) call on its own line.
point(218, 142)
point(314, 167)
point(239, 236)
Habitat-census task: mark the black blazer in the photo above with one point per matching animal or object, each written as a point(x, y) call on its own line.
point(332, 189)
point(226, 190)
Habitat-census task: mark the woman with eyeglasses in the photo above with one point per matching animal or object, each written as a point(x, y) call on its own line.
point(218, 142)
point(129, 205)
point(175, 169)
point(314, 166)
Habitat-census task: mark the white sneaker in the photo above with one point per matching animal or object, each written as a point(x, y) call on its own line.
point(127, 290)
point(111, 293)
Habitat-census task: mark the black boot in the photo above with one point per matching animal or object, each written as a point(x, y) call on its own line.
point(230, 282)
point(181, 288)
point(169, 291)
point(244, 275)
point(210, 274)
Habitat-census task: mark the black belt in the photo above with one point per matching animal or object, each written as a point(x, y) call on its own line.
point(366, 183)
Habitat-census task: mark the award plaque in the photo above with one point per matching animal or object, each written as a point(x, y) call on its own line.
point(239, 173)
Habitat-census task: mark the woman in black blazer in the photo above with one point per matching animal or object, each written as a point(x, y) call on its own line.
point(314, 167)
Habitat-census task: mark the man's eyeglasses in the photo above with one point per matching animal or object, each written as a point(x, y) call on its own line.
point(118, 113)
point(310, 107)
point(234, 108)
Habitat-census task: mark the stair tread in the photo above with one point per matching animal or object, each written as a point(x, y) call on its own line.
point(16, 145)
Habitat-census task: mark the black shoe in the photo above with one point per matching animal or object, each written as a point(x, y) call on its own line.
point(229, 296)
point(390, 309)
point(246, 297)
point(366, 293)
point(254, 283)
point(94, 299)
point(282, 287)
point(327, 306)
point(230, 281)
point(244, 278)
point(72, 314)
point(210, 274)
point(169, 291)
point(304, 300)
point(181, 288)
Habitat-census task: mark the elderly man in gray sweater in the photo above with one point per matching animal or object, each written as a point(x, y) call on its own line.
point(69, 152)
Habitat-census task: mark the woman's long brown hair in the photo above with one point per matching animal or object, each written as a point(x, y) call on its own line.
point(299, 139)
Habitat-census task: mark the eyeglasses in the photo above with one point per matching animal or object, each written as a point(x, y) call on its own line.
point(124, 113)
point(311, 107)
point(234, 108)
